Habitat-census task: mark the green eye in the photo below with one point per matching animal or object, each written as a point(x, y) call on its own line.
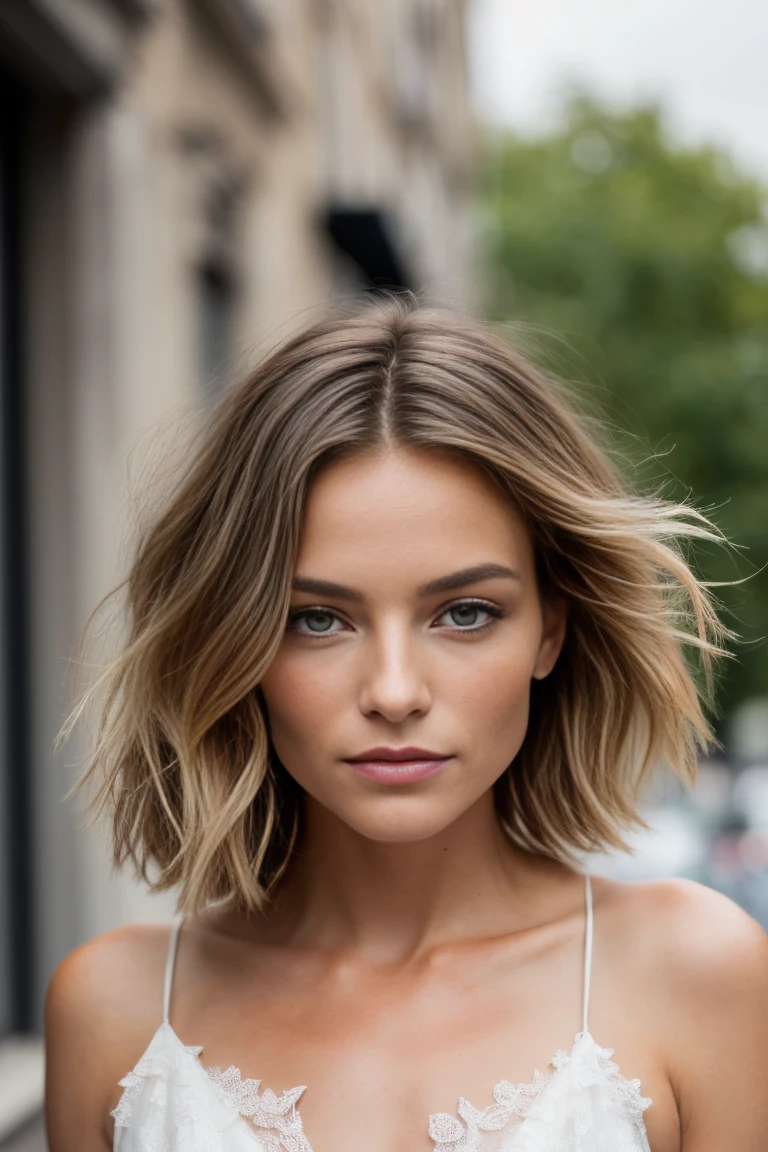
point(319, 621)
point(313, 621)
point(465, 615)
point(470, 615)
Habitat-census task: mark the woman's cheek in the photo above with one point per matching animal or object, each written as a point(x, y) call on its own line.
point(301, 695)
point(495, 702)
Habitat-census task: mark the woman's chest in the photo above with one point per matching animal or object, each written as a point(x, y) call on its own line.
point(173, 1103)
point(447, 1057)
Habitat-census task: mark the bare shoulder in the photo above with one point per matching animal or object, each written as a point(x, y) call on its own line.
point(103, 1004)
point(690, 932)
point(696, 966)
point(113, 979)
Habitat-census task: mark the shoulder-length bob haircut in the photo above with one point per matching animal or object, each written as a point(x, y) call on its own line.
point(182, 752)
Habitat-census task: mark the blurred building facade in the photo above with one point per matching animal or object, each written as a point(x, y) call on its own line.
point(182, 182)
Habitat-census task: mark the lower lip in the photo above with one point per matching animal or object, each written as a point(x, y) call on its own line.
point(397, 771)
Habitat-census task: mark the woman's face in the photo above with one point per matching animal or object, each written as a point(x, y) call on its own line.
point(415, 623)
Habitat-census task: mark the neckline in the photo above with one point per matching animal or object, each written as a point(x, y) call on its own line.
point(263, 1113)
point(262, 1109)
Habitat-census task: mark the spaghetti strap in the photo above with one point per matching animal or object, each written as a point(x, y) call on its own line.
point(587, 952)
point(170, 961)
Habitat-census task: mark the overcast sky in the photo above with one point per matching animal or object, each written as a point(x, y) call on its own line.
point(706, 59)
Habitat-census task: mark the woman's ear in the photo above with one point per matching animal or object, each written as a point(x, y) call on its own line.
point(554, 610)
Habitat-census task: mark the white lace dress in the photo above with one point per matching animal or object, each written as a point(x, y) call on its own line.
point(172, 1103)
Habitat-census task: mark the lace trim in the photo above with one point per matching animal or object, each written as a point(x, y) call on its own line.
point(509, 1100)
point(462, 1133)
point(132, 1083)
point(626, 1092)
point(276, 1117)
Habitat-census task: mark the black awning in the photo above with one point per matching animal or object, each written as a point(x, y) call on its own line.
point(364, 235)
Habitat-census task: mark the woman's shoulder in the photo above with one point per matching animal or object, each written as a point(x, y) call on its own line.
point(103, 1004)
point(695, 969)
point(687, 946)
point(682, 921)
point(117, 974)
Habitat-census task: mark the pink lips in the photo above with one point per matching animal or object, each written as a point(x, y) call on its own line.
point(397, 765)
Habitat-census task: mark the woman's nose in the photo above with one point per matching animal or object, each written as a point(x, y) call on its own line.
point(394, 682)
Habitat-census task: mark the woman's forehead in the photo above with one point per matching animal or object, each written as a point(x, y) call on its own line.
point(407, 507)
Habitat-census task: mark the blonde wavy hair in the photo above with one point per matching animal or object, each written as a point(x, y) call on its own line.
point(182, 751)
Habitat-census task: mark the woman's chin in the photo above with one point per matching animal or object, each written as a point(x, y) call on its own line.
point(400, 820)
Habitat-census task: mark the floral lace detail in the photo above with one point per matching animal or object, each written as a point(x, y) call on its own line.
point(149, 1066)
point(583, 1105)
point(625, 1093)
point(276, 1117)
point(509, 1100)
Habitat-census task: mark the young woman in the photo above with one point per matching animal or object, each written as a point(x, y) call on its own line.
point(403, 648)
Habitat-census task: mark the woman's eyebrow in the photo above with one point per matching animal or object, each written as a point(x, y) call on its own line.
point(441, 584)
point(468, 576)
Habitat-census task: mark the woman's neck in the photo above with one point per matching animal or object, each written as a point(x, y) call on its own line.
point(397, 900)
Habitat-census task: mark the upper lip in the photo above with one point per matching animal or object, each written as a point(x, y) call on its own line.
point(398, 754)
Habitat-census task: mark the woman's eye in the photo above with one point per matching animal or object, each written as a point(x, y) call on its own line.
point(469, 616)
point(314, 621)
point(464, 616)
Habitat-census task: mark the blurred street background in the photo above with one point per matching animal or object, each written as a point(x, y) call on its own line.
point(185, 182)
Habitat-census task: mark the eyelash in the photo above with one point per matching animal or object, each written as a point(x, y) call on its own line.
point(493, 611)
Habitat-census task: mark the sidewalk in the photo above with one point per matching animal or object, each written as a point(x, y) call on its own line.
point(30, 1138)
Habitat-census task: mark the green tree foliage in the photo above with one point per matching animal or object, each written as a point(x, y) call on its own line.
point(652, 261)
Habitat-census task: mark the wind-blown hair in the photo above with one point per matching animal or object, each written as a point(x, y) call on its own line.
point(182, 753)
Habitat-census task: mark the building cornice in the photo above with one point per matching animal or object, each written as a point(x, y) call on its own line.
point(80, 46)
point(247, 36)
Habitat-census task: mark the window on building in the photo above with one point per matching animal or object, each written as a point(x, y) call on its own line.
point(216, 299)
point(217, 287)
